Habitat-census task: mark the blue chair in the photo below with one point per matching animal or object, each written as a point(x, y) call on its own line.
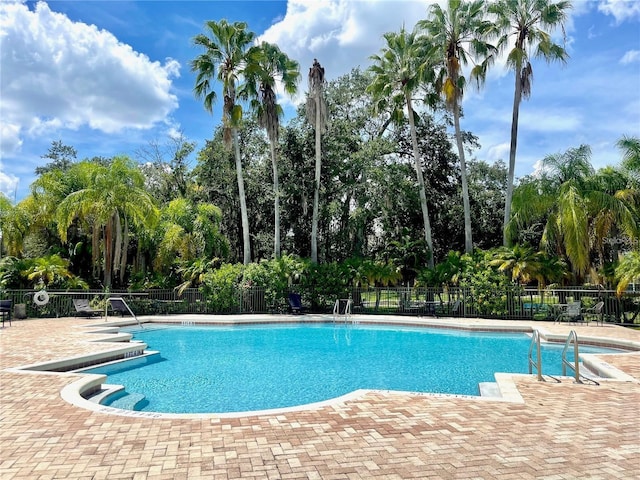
point(5, 311)
point(295, 303)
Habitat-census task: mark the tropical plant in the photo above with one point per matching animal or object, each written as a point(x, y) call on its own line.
point(377, 273)
point(630, 147)
point(112, 198)
point(628, 270)
point(45, 271)
point(568, 198)
point(276, 277)
point(459, 34)
point(552, 269)
point(11, 272)
point(189, 232)
point(14, 225)
point(316, 108)
point(481, 281)
point(447, 272)
point(520, 262)
point(225, 60)
point(408, 254)
point(221, 286)
point(404, 65)
point(194, 273)
point(268, 65)
point(526, 21)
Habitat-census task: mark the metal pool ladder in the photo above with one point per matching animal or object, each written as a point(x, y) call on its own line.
point(537, 362)
point(573, 339)
point(342, 309)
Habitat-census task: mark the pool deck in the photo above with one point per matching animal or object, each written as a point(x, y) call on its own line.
point(557, 431)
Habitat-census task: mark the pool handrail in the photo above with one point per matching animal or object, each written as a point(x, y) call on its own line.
point(537, 363)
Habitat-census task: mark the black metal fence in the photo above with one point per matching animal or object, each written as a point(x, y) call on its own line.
point(464, 302)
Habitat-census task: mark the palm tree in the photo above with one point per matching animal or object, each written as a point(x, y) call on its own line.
point(112, 197)
point(553, 269)
point(268, 64)
point(630, 147)
point(526, 21)
point(459, 34)
point(317, 116)
point(14, 225)
point(628, 271)
point(577, 212)
point(522, 262)
point(404, 66)
point(189, 231)
point(48, 270)
point(195, 272)
point(225, 60)
point(449, 271)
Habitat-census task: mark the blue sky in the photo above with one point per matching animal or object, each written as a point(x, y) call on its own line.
point(109, 77)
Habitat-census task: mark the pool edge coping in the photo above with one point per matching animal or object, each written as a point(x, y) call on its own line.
point(74, 391)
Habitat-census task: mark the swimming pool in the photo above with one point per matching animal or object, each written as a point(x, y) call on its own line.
point(258, 367)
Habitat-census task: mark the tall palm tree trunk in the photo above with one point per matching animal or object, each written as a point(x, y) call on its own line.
point(421, 187)
point(468, 240)
point(316, 189)
point(108, 253)
point(276, 201)
point(95, 251)
point(517, 98)
point(125, 249)
point(117, 249)
point(243, 202)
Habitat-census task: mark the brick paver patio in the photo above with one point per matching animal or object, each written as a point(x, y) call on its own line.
point(561, 431)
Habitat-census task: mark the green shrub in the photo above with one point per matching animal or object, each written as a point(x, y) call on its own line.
point(221, 288)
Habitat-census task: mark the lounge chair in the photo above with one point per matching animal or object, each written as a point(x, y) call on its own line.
point(572, 313)
point(5, 311)
point(295, 303)
point(596, 312)
point(84, 309)
point(456, 308)
point(118, 305)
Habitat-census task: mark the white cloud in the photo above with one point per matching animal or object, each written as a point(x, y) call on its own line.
point(498, 152)
point(8, 183)
point(63, 74)
point(630, 57)
point(621, 10)
point(10, 141)
point(341, 34)
point(538, 169)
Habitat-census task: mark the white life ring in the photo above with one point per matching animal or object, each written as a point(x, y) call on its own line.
point(41, 298)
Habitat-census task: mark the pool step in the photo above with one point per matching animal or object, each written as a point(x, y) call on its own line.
point(129, 401)
point(489, 389)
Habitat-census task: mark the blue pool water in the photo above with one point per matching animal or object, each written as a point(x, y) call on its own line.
point(243, 368)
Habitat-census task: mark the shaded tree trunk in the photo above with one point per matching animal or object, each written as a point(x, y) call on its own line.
point(246, 239)
point(517, 97)
point(276, 202)
point(421, 186)
point(108, 253)
point(125, 250)
point(316, 189)
point(468, 240)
